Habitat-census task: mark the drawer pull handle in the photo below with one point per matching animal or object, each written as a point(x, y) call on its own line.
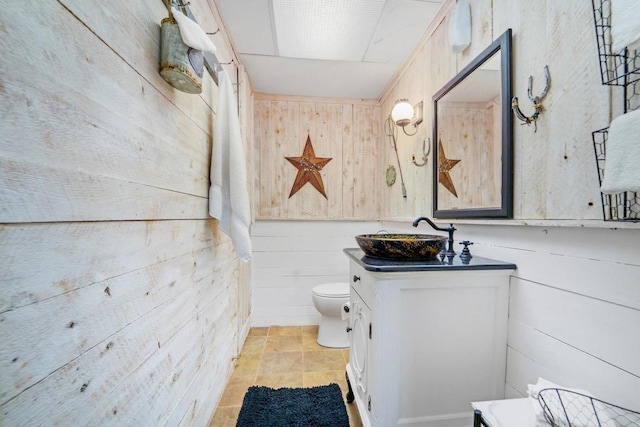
point(356, 278)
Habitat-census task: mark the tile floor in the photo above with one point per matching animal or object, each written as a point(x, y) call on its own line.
point(283, 356)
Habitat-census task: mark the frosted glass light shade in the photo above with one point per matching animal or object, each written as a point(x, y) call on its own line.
point(402, 113)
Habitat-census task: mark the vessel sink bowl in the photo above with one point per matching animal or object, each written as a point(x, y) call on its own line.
point(401, 246)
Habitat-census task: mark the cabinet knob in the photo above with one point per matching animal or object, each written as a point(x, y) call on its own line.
point(346, 308)
point(349, 329)
point(356, 278)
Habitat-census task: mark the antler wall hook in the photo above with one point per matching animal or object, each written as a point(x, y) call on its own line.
point(537, 101)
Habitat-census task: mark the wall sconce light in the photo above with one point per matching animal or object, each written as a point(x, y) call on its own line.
point(404, 114)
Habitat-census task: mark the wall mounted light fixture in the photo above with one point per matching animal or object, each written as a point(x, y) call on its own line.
point(404, 114)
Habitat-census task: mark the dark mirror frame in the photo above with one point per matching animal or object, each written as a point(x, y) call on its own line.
point(502, 44)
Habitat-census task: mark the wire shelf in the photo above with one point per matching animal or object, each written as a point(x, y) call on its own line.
point(566, 408)
point(617, 69)
point(615, 207)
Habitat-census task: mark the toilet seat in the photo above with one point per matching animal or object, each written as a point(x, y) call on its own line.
point(332, 290)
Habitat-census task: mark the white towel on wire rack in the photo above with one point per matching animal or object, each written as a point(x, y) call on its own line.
point(625, 23)
point(228, 194)
point(622, 155)
point(191, 33)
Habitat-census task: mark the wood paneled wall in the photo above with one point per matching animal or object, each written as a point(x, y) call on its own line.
point(574, 297)
point(557, 34)
point(290, 258)
point(120, 303)
point(346, 131)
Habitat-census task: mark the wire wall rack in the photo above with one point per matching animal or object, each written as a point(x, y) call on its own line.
point(566, 408)
point(620, 206)
point(616, 69)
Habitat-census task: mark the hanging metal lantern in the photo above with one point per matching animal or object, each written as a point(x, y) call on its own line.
point(180, 65)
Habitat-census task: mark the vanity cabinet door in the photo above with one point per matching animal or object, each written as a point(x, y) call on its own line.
point(359, 351)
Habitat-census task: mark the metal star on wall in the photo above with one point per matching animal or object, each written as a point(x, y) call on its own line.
point(309, 167)
point(444, 166)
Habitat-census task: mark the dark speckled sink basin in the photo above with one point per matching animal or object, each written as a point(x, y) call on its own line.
point(401, 246)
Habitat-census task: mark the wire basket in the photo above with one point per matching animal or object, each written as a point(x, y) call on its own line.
point(620, 206)
point(617, 69)
point(566, 408)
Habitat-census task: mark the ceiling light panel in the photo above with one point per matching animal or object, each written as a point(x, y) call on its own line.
point(325, 29)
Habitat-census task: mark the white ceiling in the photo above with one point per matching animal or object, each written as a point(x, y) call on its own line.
point(371, 40)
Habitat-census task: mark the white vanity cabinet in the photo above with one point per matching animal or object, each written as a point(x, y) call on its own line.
point(426, 340)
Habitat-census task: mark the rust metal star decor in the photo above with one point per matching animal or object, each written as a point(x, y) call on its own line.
point(309, 167)
point(444, 166)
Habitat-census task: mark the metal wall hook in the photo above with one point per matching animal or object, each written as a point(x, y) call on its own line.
point(537, 101)
point(547, 77)
point(425, 153)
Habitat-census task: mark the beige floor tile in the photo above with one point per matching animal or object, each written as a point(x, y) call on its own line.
point(354, 415)
point(248, 365)
point(278, 343)
point(225, 416)
point(236, 389)
point(290, 379)
point(260, 331)
point(283, 356)
point(310, 330)
point(310, 343)
point(326, 360)
point(285, 330)
point(280, 363)
point(253, 345)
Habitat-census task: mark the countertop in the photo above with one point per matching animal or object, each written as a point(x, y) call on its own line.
point(437, 264)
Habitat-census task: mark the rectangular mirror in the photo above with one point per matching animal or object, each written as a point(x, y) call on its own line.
point(473, 138)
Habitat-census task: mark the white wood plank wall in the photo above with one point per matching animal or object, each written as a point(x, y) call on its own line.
point(574, 312)
point(120, 303)
point(574, 303)
point(344, 130)
point(290, 258)
point(557, 34)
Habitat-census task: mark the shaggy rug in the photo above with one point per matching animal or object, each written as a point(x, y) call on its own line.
point(296, 407)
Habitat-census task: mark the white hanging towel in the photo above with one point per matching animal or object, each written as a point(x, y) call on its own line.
point(228, 194)
point(191, 33)
point(625, 23)
point(622, 155)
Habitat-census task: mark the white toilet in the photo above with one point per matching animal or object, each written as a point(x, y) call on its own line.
point(329, 298)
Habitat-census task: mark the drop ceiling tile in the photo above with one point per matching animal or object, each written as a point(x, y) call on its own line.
point(249, 23)
point(328, 29)
point(402, 25)
point(290, 76)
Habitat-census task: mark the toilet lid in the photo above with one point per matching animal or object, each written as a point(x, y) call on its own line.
point(332, 290)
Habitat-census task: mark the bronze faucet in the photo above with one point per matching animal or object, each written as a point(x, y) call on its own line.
point(450, 252)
